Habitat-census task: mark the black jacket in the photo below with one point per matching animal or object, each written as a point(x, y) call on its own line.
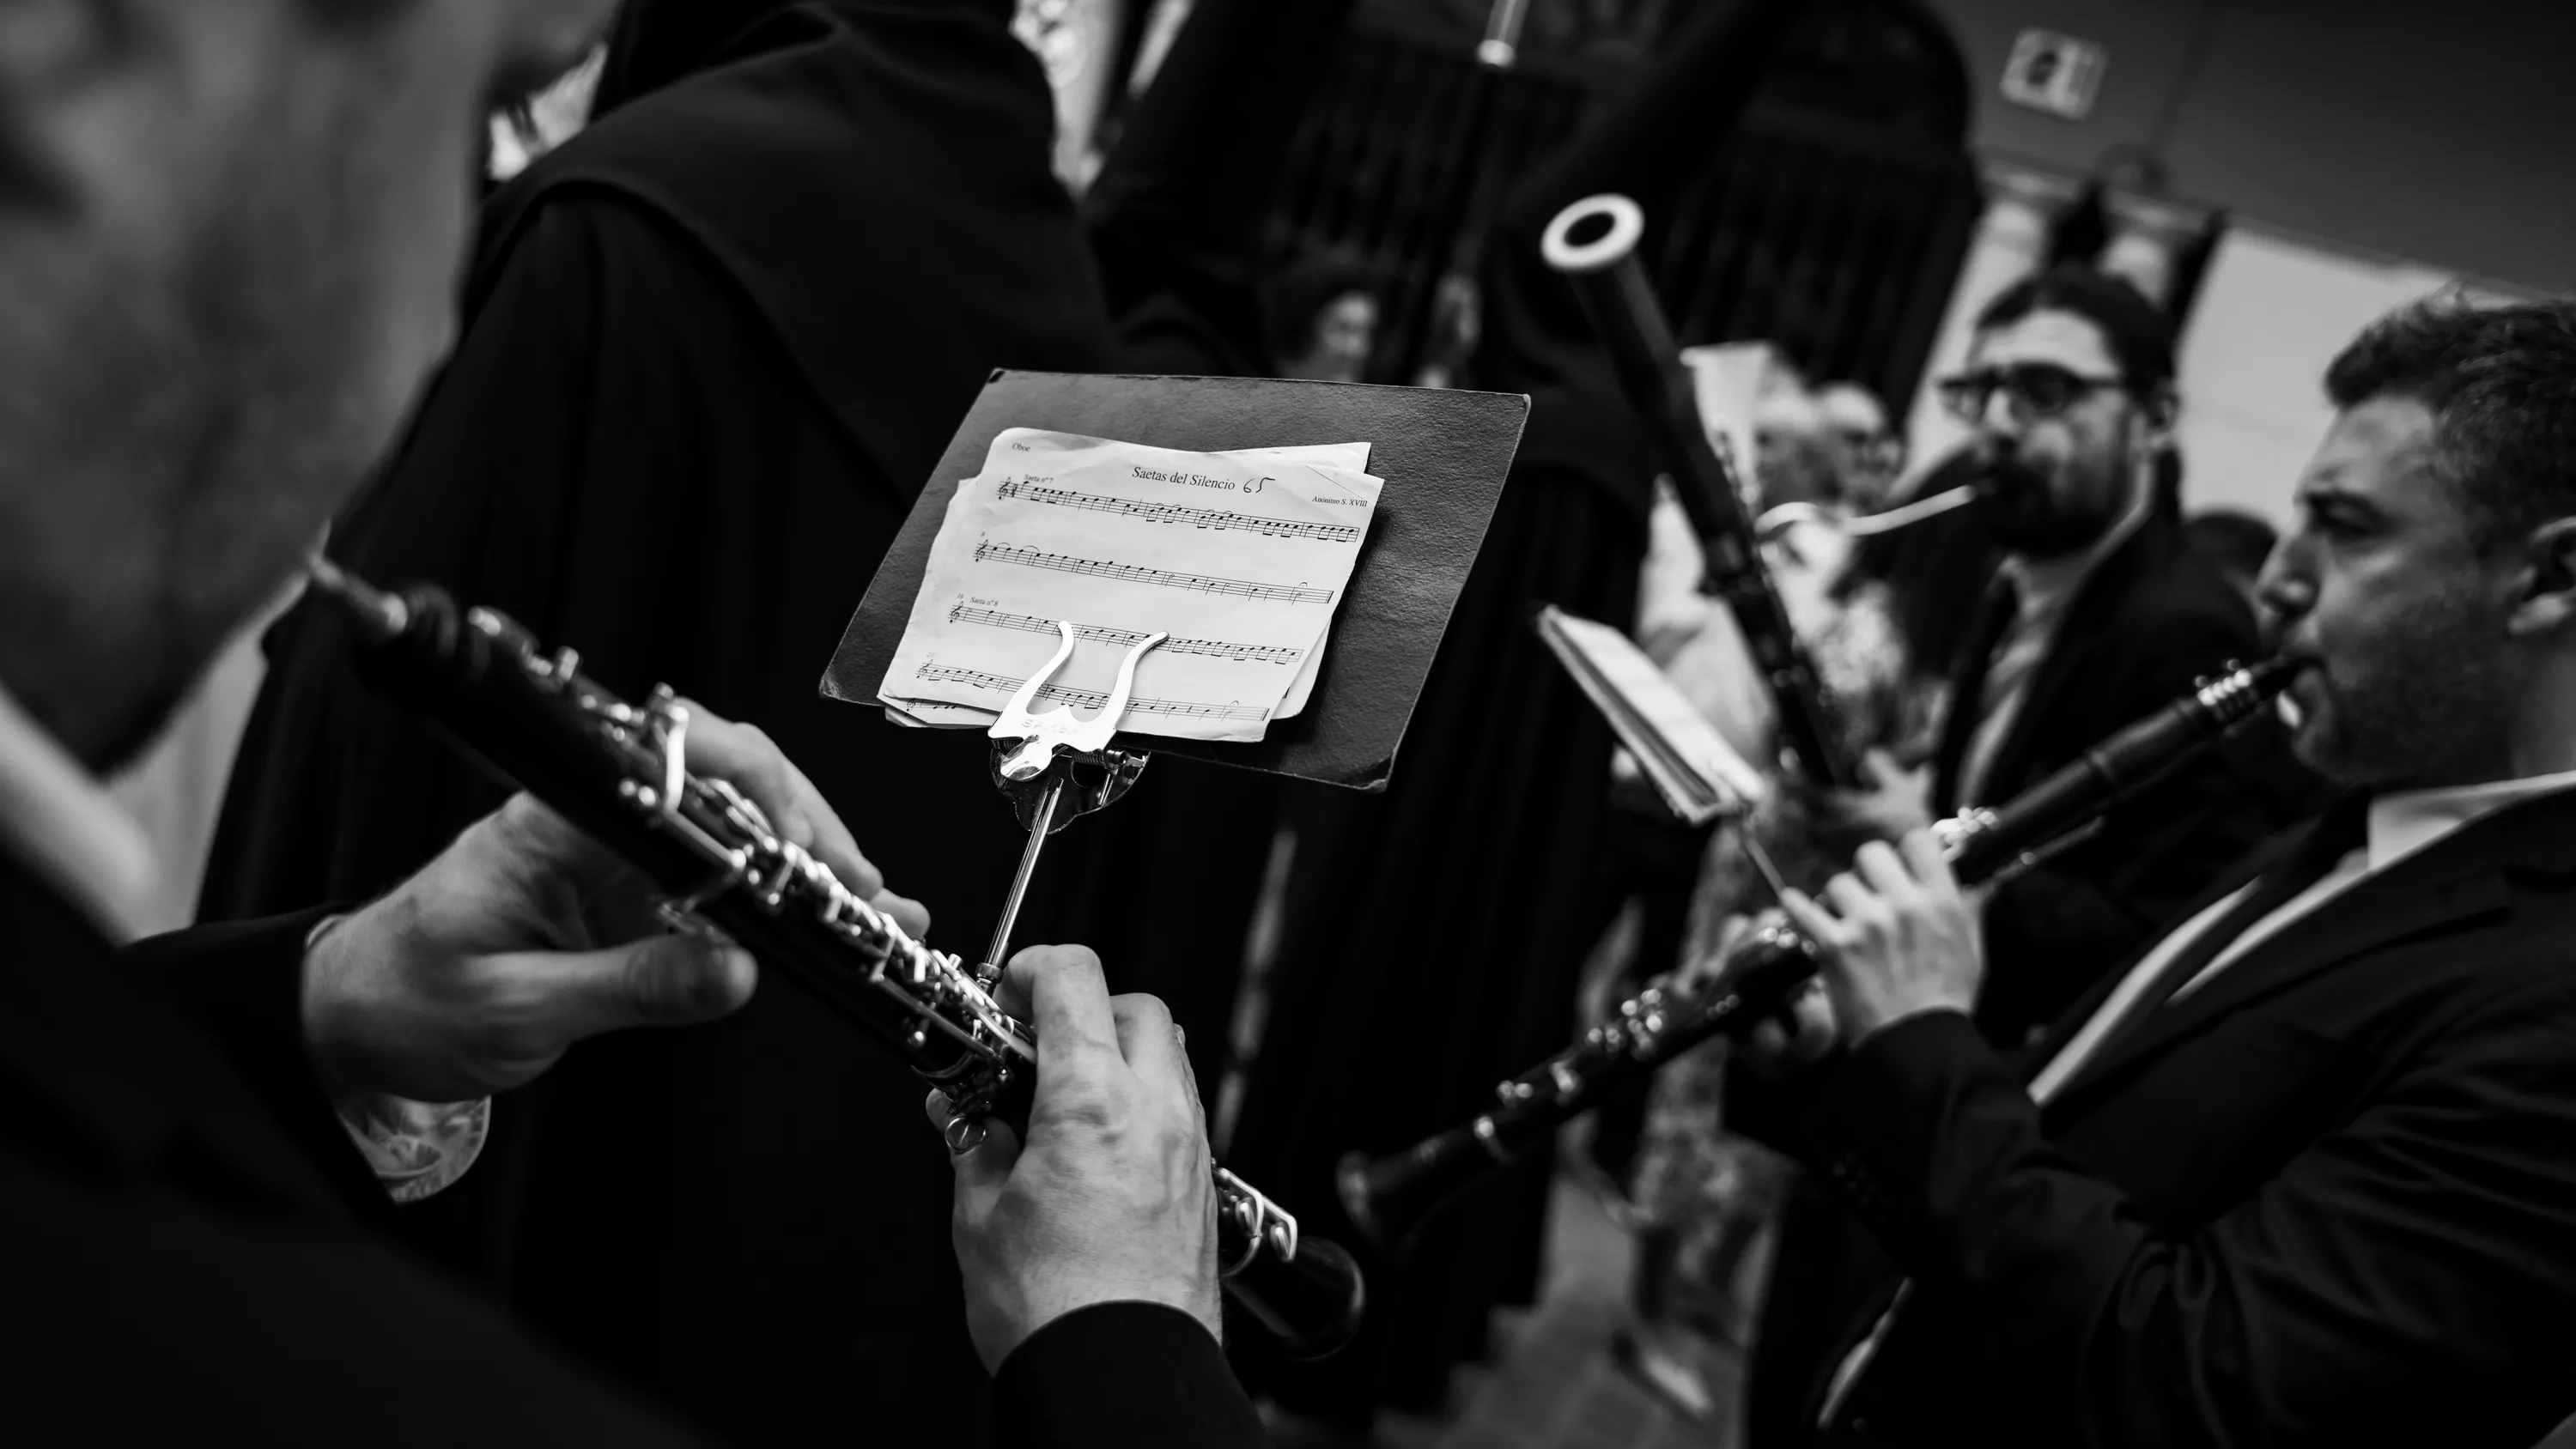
point(2149, 621)
point(2321, 1200)
point(191, 1249)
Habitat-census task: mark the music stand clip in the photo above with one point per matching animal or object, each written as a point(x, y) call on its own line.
point(1055, 769)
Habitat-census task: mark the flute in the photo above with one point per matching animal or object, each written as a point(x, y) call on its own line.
point(618, 771)
point(1390, 1197)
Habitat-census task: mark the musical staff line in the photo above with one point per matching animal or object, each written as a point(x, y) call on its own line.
point(1216, 518)
point(1089, 698)
point(1129, 638)
point(1137, 573)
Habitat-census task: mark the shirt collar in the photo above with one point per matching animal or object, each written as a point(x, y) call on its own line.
point(2403, 822)
point(62, 824)
point(2042, 587)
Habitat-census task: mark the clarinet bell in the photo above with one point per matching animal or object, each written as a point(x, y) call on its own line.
point(1311, 1303)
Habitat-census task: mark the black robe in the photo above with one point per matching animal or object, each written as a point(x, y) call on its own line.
point(713, 346)
point(1434, 934)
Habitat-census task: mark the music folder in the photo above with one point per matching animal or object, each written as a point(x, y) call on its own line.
point(1698, 774)
point(1443, 454)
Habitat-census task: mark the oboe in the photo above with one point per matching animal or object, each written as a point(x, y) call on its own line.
point(619, 772)
point(1594, 243)
point(1391, 1197)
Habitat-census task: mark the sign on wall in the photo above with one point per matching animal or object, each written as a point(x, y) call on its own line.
point(2055, 73)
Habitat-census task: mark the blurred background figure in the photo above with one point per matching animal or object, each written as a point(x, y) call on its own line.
point(1320, 318)
point(1873, 455)
point(1457, 326)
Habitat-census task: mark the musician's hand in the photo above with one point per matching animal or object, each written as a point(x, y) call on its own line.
point(1700, 967)
point(1800, 1033)
point(1892, 801)
point(1111, 1198)
point(1896, 935)
point(525, 936)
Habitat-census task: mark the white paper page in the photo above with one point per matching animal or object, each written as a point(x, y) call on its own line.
point(923, 714)
point(1239, 558)
point(1304, 688)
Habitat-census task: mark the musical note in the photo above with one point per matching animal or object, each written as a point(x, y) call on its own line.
point(1089, 698)
point(1127, 638)
point(1177, 513)
point(1136, 573)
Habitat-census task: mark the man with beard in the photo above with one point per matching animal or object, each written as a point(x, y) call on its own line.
point(2298, 1174)
point(228, 233)
point(2100, 612)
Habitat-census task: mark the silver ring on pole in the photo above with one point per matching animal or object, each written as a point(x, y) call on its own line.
point(1626, 223)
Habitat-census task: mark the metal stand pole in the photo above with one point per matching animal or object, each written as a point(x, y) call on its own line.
point(1041, 822)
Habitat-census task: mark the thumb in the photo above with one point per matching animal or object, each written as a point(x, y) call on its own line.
point(668, 980)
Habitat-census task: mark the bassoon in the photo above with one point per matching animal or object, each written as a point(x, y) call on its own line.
point(618, 771)
point(1390, 1197)
point(1594, 243)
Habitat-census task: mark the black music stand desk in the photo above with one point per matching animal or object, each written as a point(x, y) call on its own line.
point(1442, 453)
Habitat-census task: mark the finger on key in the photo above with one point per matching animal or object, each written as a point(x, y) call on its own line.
point(1069, 1004)
point(745, 757)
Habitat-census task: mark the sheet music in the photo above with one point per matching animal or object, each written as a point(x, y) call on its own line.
point(1239, 557)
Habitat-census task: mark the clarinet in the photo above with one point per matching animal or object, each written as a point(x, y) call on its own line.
point(1594, 243)
point(618, 772)
point(1390, 1197)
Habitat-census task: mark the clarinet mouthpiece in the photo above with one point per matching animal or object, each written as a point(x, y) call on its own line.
point(379, 615)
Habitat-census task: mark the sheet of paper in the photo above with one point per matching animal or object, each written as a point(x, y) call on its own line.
point(1239, 557)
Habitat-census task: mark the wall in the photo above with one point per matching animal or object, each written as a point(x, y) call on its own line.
point(2272, 313)
point(2432, 131)
point(2366, 152)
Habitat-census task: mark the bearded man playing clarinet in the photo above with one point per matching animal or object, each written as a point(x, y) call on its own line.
point(2300, 1173)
